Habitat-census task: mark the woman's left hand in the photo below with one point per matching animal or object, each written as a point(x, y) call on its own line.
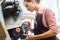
point(29, 37)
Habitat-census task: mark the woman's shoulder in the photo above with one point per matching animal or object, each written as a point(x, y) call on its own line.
point(47, 11)
point(43, 10)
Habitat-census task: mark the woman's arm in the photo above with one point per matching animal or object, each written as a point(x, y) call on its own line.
point(47, 34)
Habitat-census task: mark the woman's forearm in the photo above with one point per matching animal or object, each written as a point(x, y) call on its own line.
point(47, 34)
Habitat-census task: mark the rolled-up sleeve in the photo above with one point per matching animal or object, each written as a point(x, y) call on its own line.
point(51, 20)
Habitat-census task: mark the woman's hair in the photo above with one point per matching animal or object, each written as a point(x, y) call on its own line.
point(37, 1)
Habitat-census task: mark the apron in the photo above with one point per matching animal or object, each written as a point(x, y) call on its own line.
point(40, 28)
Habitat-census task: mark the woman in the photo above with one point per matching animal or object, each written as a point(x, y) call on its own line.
point(46, 23)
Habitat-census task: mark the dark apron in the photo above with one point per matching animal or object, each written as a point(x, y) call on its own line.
point(40, 28)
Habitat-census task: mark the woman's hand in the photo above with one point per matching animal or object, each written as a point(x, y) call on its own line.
point(29, 37)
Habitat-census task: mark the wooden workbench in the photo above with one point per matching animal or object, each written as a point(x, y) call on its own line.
point(2, 32)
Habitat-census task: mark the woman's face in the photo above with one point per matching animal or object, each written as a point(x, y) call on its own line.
point(30, 6)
